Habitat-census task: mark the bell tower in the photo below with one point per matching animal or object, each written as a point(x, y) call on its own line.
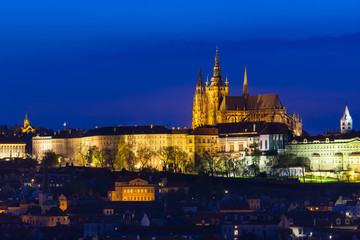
point(199, 105)
point(215, 93)
point(346, 123)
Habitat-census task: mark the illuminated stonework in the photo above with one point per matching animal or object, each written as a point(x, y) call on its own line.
point(212, 104)
point(334, 152)
point(11, 147)
point(133, 190)
point(68, 143)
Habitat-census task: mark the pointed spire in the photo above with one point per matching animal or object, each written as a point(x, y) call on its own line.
point(207, 80)
point(217, 57)
point(217, 79)
point(200, 83)
point(227, 82)
point(346, 123)
point(245, 85)
point(346, 114)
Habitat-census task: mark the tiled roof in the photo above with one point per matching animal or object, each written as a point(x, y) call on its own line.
point(255, 102)
point(10, 139)
point(127, 130)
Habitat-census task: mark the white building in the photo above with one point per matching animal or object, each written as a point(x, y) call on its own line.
point(346, 123)
point(12, 147)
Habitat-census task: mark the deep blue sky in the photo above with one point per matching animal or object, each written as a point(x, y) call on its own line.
point(136, 62)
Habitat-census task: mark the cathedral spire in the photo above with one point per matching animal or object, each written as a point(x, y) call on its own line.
point(217, 80)
point(200, 82)
point(245, 85)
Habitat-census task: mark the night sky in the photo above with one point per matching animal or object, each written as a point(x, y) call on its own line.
point(104, 63)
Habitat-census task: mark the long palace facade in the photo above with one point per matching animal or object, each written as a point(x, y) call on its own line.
point(69, 143)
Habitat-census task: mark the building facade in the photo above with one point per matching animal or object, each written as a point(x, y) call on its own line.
point(212, 104)
point(70, 143)
point(328, 152)
point(136, 189)
point(339, 150)
point(12, 147)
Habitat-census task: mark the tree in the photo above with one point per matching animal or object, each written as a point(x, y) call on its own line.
point(125, 157)
point(109, 155)
point(254, 168)
point(282, 164)
point(81, 155)
point(94, 156)
point(304, 163)
point(210, 162)
point(174, 159)
point(144, 156)
point(51, 159)
point(166, 154)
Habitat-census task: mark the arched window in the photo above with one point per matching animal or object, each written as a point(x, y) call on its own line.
point(266, 144)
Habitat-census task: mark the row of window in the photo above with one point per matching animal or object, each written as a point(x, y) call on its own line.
point(138, 198)
point(139, 190)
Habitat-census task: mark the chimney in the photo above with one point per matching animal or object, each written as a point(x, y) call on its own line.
point(151, 126)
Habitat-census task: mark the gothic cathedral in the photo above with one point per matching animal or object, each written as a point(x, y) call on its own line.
point(213, 105)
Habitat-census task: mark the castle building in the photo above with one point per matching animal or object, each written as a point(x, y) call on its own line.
point(70, 143)
point(212, 104)
point(11, 147)
point(331, 151)
point(346, 123)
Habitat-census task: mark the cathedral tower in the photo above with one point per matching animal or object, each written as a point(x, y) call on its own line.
point(346, 123)
point(215, 93)
point(199, 105)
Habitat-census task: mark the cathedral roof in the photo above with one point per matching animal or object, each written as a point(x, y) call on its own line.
point(255, 102)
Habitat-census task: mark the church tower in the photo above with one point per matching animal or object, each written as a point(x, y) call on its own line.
point(245, 86)
point(199, 105)
point(346, 123)
point(215, 93)
point(26, 121)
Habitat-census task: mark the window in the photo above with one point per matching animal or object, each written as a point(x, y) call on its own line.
point(266, 144)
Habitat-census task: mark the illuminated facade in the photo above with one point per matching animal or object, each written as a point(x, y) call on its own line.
point(241, 139)
point(328, 152)
point(212, 104)
point(132, 190)
point(331, 151)
point(69, 143)
point(11, 147)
